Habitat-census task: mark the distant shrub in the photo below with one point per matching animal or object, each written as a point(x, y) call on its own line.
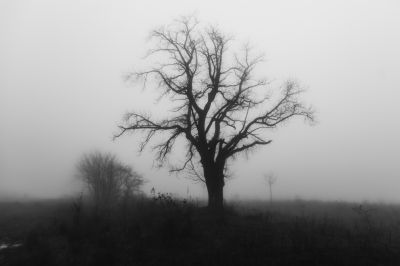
point(108, 179)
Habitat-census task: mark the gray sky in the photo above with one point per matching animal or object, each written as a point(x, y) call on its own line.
point(62, 92)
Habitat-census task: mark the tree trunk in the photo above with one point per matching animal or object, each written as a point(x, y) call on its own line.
point(215, 195)
point(270, 193)
point(214, 177)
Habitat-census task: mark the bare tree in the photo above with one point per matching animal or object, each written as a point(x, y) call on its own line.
point(270, 180)
point(107, 178)
point(217, 106)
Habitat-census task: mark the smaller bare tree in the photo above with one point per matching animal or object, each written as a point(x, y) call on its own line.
point(270, 179)
point(107, 178)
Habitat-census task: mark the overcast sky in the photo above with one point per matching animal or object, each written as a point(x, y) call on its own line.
point(62, 93)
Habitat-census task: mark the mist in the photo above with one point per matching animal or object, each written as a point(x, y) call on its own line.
point(63, 93)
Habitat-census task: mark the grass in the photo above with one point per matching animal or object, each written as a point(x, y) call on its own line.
point(167, 231)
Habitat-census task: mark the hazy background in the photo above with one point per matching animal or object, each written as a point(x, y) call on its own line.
point(62, 93)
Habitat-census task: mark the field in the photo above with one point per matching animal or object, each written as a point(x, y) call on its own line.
point(167, 231)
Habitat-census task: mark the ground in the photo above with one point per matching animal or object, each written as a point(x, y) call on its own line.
point(167, 231)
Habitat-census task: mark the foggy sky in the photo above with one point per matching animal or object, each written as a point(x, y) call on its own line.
point(62, 93)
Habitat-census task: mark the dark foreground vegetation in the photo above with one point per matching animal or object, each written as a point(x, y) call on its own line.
point(165, 231)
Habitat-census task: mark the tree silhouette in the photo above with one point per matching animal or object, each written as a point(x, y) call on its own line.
point(218, 107)
point(270, 180)
point(107, 178)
